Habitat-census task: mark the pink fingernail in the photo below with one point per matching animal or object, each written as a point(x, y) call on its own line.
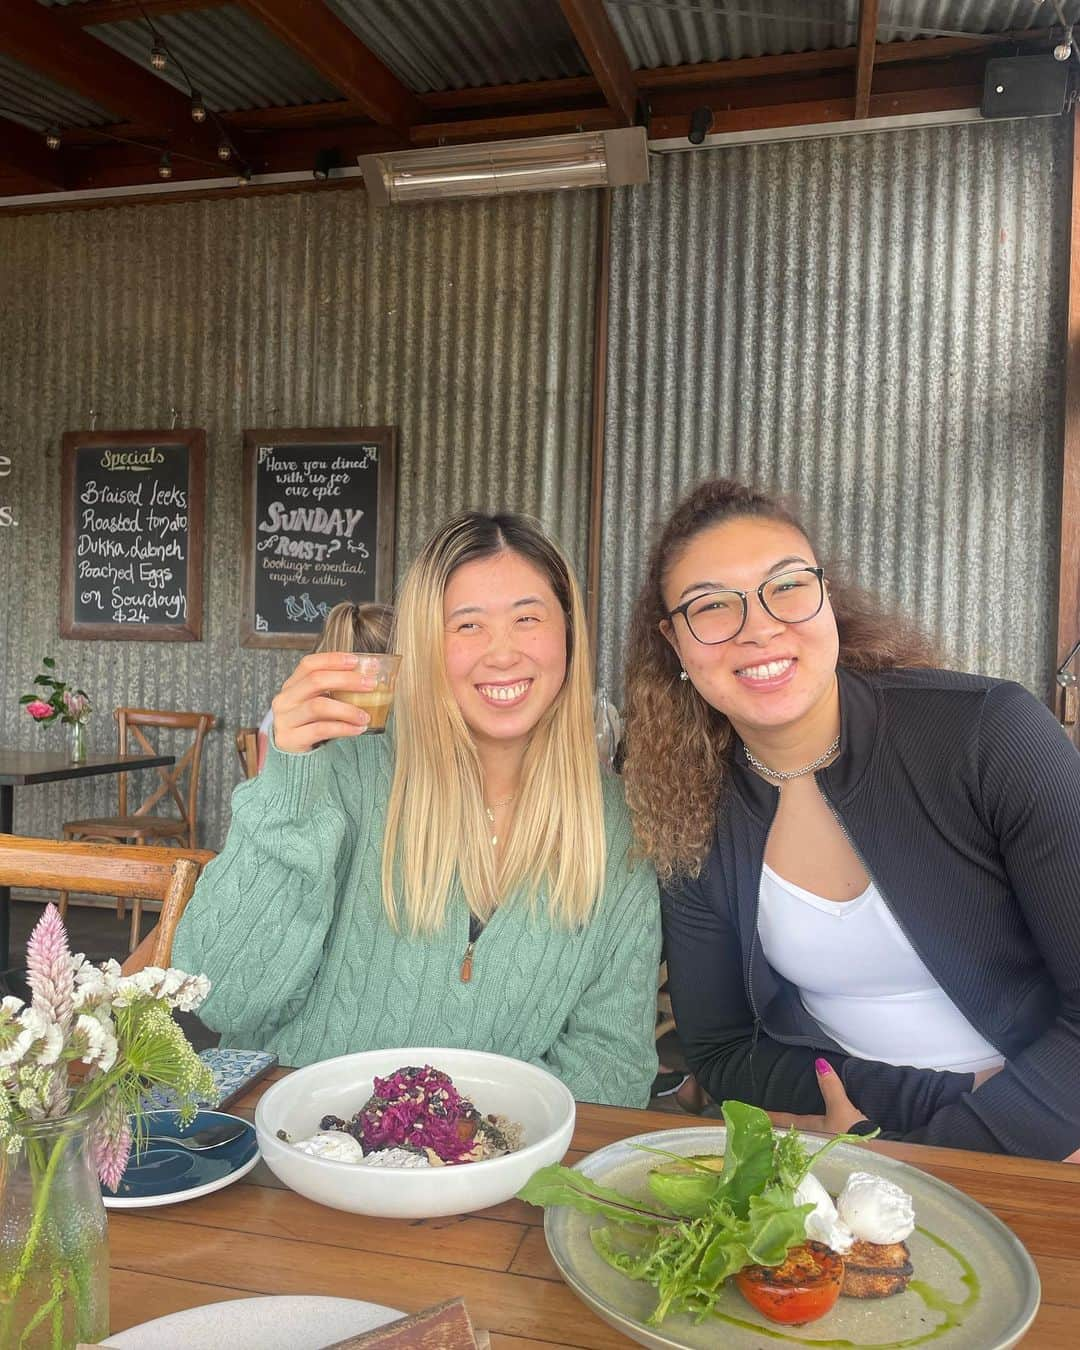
point(822, 1067)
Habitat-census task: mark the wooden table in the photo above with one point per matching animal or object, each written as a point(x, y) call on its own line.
point(19, 768)
point(256, 1237)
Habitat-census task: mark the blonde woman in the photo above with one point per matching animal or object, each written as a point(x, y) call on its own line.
point(464, 879)
point(348, 628)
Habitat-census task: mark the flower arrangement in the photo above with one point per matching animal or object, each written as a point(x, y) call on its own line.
point(88, 1045)
point(72, 706)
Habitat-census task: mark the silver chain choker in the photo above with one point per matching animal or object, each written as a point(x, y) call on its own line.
point(782, 775)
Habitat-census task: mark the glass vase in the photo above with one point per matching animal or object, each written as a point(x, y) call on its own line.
point(77, 741)
point(54, 1246)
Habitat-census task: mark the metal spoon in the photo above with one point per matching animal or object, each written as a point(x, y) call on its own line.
point(214, 1136)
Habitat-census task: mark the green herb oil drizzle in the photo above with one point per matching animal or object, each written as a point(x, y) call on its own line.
point(933, 1298)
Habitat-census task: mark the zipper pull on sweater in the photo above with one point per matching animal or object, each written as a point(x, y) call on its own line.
point(466, 964)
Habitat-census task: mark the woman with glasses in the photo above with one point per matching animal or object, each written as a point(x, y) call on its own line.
point(870, 865)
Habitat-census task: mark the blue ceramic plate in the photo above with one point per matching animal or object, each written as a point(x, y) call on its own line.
point(165, 1174)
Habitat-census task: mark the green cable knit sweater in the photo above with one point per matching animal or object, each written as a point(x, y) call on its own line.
point(289, 925)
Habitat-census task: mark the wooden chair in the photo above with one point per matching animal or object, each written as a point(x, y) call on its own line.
point(136, 873)
point(665, 1018)
point(247, 748)
point(140, 826)
point(689, 1094)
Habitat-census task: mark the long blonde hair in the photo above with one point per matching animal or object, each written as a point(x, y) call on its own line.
point(356, 628)
point(678, 748)
point(436, 825)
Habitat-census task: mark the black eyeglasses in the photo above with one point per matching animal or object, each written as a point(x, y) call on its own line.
point(719, 616)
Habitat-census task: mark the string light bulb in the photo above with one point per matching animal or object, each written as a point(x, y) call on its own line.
point(52, 138)
point(159, 57)
point(164, 167)
point(224, 150)
point(198, 108)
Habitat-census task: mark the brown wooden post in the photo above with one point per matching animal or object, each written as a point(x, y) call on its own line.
point(599, 410)
point(864, 70)
point(1068, 625)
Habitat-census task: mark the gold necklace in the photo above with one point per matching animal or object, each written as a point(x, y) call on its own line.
point(489, 811)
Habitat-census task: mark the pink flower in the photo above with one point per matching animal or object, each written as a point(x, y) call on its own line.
point(48, 968)
point(38, 710)
point(76, 705)
point(111, 1142)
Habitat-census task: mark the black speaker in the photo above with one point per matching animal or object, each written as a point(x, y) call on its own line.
point(1025, 86)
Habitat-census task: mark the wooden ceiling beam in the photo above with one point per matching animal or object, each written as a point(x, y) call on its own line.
point(772, 116)
point(511, 99)
point(864, 65)
point(755, 67)
point(25, 153)
point(330, 46)
point(35, 36)
point(91, 12)
point(507, 128)
point(605, 56)
point(574, 89)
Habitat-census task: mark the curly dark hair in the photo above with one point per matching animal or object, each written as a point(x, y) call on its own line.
point(678, 747)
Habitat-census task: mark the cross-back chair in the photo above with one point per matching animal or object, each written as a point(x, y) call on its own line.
point(178, 785)
point(247, 749)
point(136, 873)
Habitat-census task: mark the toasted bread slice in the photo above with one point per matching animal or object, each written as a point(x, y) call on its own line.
point(876, 1270)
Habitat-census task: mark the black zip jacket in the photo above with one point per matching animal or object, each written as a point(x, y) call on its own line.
point(961, 795)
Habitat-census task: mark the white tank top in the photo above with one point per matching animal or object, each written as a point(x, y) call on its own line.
point(863, 982)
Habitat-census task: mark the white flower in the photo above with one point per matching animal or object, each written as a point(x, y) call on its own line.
point(94, 1042)
point(13, 1052)
point(39, 1039)
point(126, 993)
point(85, 972)
point(10, 1008)
point(174, 987)
point(171, 982)
point(94, 984)
point(192, 993)
point(47, 1035)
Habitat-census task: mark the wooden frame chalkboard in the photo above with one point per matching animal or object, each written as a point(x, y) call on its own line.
point(319, 506)
point(131, 535)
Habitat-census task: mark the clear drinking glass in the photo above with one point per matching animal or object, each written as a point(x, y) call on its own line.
point(375, 702)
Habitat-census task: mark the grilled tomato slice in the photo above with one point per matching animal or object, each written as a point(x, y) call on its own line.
point(800, 1290)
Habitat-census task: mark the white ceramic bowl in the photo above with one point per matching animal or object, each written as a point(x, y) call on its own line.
point(495, 1084)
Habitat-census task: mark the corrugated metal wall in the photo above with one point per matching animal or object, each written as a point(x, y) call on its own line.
point(874, 322)
point(469, 327)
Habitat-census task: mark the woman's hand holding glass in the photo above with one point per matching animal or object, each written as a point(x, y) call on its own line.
point(305, 714)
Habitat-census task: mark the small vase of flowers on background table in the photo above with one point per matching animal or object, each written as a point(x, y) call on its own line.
point(74, 1064)
point(57, 699)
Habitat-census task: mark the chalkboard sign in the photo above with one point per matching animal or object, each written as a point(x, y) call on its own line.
point(318, 528)
point(131, 539)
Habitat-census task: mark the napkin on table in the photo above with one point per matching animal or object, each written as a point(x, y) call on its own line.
point(447, 1326)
